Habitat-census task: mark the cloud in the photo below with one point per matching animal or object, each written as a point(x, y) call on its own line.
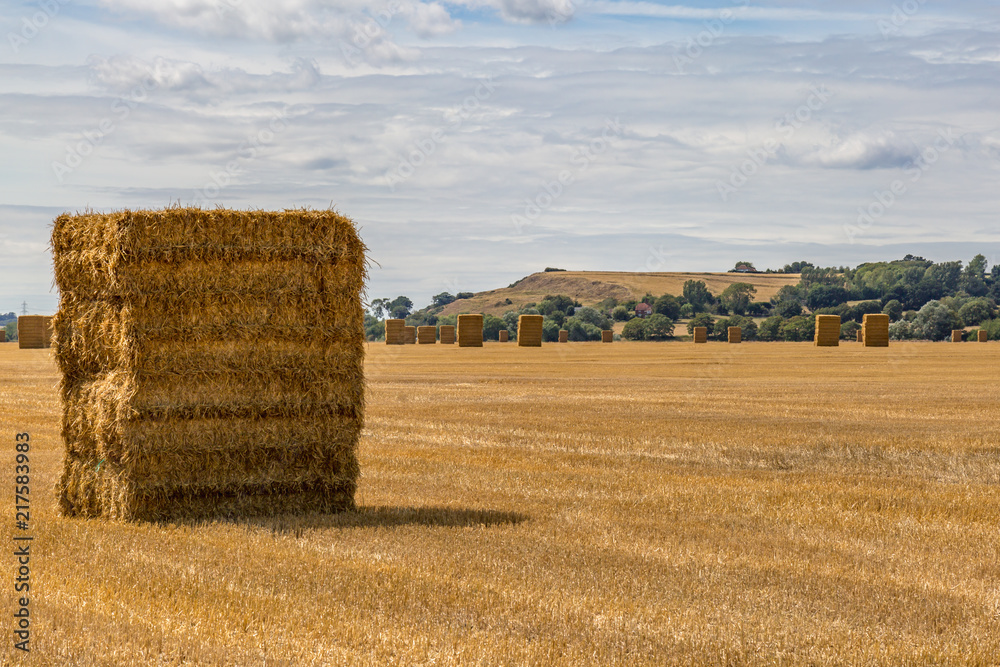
point(858, 150)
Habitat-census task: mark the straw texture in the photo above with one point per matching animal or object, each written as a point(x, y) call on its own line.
point(212, 362)
point(827, 331)
point(470, 330)
point(529, 330)
point(409, 335)
point(861, 335)
point(504, 336)
point(875, 330)
point(563, 335)
point(394, 332)
point(3, 335)
point(700, 334)
point(427, 335)
point(957, 335)
point(607, 336)
point(447, 334)
point(735, 334)
point(982, 336)
point(34, 332)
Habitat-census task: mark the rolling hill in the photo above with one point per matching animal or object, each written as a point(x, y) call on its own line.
point(590, 287)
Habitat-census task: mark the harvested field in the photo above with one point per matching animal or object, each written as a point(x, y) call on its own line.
point(636, 504)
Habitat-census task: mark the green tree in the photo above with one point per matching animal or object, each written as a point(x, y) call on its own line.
point(701, 320)
point(659, 327)
point(894, 309)
point(974, 277)
point(550, 331)
point(400, 307)
point(801, 328)
point(374, 328)
point(635, 329)
point(849, 330)
point(592, 316)
point(737, 297)
point(770, 329)
point(668, 306)
point(492, 326)
point(788, 308)
point(935, 321)
point(621, 314)
point(976, 311)
point(442, 299)
point(696, 293)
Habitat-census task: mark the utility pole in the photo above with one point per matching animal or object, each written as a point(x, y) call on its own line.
point(24, 307)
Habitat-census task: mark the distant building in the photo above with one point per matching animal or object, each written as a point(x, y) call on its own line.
point(743, 267)
point(643, 310)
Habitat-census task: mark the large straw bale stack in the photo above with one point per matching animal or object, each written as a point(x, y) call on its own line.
point(212, 362)
point(607, 335)
point(447, 334)
point(529, 330)
point(735, 334)
point(563, 335)
point(827, 330)
point(34, 332)
point(394, 332)
point(470, 330)
point(875, 330)
point(426, 335)
point(409, 335)
point(957, 335)
point(983, 336)
point(504, 336)
point(700, 334)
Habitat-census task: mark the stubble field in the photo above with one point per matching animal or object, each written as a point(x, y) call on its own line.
point(634, 503)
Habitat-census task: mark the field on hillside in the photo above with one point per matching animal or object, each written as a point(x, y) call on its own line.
point(634, 503)
point(590, 287)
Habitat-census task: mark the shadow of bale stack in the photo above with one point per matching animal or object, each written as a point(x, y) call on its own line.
point(211, 362)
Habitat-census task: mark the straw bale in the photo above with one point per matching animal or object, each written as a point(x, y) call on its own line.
point(504, 336)
point(563, 336)
point(701, 334)
point(735, 334)
point(827, 331)
point(175, 404)
point(875, 330)
point(861, 335)
point(394, 332)
point(427, 335)
point(3, 335)
point(34, 332)
point(470, 330)
point(607, 336)
point(983, 336)
point(529, 330)
point(447, 334)
point(957, 335)
point(410, 335)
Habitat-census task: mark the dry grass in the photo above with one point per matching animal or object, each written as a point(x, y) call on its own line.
point(764, 503)
point(590, 287)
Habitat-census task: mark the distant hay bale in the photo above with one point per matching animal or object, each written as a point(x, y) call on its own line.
point(860, 335)
point(34, 332)
point(447, 334)
point(875, 330)
point(3, 335)
point(957, 335)
point(983, 336)
point(827, 331)
point(426, 335)
point(211, 361)
point(504, 336)
point(470, 330)
point(409, 335)
point(394, 332)
point(701, 334)
point(608, 336)
point(735, 334)
point(563, 336)
point(529, 330)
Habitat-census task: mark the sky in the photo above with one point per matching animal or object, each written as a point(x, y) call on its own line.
point(475, 142)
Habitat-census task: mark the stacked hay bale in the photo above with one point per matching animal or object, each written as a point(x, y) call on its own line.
point(529, 330)
point(3, 335)
point(34, 332)
point(426, 335)
point(212, 362)
point(470, 330)
point(504, 336)
point(700, 334)
point(875, 330)
point(447, 334)
point(607, 336)
point(861, 335)
point(735, 334)
point(563, 336)
point(394, 332)
point(957, 335)
point(827, 331)
point(409, 335)
point(983, 336)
